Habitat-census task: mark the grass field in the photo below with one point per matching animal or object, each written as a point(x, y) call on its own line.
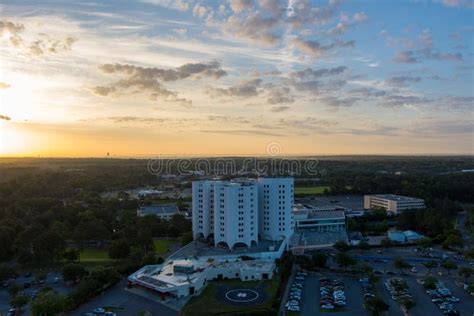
point(310, 190)
point(163, 245)
point(207, 303)
point(94, 255)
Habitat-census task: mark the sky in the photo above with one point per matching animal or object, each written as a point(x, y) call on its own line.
point(141, 78)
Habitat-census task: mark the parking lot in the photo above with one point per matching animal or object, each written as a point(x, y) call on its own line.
point(311, 297)
point(29, 287)
point(126, 303)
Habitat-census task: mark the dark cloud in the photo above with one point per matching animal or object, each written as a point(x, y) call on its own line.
point(322, 72)
point(241, 5)
point(347, 22)
point(457, 102)
point(251, 132)
point(248, 88)
point(212, 69)
point(395, 100)
point(277, 109)
point(135, 119)
point(401, 81)
point(279, 95)
point(306, 123)
point(253, 26)
point(5, 118)
point(406, 57)
point(275, 7)
point(316, 49)
point(148, 80)
point(338, 102)
point(423, 49)
point(367, 92)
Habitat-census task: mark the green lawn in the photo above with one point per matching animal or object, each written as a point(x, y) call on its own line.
point(207, 303)
point(94, 255)
point(163, 245)
point(310, 190)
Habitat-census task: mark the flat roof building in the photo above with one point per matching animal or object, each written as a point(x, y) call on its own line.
point(392, 203)
point(164, 211)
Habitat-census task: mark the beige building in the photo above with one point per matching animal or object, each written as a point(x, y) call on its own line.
point(393, 203)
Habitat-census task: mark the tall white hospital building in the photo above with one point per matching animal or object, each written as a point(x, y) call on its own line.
point(238, 213)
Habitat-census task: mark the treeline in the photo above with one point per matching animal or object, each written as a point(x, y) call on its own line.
point(42, 214)
point(431, 187)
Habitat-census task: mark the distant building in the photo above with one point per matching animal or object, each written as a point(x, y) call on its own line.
point(402, 237)
point(319, 221)
point(393, 203)
point(164, 211)
point(396, 236)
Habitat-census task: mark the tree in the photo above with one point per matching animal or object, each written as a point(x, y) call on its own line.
point(90, 228)
point(19, 301)
point(466, 272)
point(48, 246)
point(344, 260)
point(319, 259)
point(469, 253)
point(364, 245)
point(71, 254)
point(401, 264)
point(376, 306)
point(426, 242)
point(449, 265)
point(48, 303)
point(386, 242)
point(430, 265)
point(119, 249)
point(429, 283)
point(14, 289)
point(144, 240)
point(453, 240)
point(341, 246)
point(407, 303)
point(186, 238)
point(6, 272)
point(7, 238)
point(73, 272)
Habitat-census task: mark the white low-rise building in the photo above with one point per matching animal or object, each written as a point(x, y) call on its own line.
point(393, 203)
point(182, 275)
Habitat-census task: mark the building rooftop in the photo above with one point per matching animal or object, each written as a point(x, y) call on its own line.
point(394, 197)
point(158, 209)
point(164, 276)
point(318, 214)
point(348, 202)
point(196, 249)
